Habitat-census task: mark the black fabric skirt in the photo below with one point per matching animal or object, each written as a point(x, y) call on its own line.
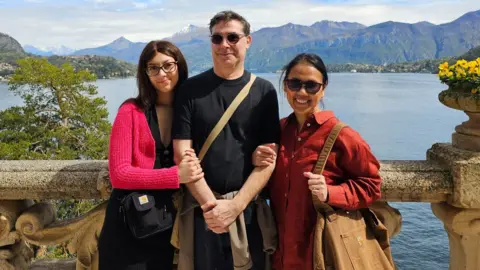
point(119, 250)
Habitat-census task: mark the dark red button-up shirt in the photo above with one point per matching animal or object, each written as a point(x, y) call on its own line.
point(351, 174)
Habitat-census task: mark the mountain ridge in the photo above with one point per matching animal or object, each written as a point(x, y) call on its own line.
point(9, 44)
point(336, 42)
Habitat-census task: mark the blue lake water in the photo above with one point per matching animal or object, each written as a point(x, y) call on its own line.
point(399, 115)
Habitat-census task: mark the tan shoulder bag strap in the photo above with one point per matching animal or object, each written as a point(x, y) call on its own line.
point(226, 116)
point(322, 161)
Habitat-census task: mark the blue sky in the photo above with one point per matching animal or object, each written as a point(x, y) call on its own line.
point(89, 23)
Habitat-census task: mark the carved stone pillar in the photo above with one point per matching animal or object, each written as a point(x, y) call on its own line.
point(463, 228)
point(467, 135)
point(461, 213)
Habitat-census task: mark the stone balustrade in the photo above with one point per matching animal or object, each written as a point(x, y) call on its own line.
point(449, 179)
point(405, 181)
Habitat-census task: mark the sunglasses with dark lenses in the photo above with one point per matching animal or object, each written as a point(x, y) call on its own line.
point(167, 67)
point(232, 38)
point(296, 85)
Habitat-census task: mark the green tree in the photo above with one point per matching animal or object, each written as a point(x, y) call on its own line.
point(61, 117)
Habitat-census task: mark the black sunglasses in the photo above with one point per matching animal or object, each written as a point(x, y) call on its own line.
point(232, 38)
point(296, 85)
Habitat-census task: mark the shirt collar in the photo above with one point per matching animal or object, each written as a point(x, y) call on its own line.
point(323, 116)
point(319, 117)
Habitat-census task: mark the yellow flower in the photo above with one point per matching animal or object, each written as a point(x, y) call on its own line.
point(443, 66)
point(460, 72)
point(462, 63)
point(442, 73)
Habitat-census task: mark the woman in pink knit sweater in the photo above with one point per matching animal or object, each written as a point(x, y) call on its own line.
point(141, 160)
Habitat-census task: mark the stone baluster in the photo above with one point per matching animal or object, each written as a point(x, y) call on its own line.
point(461, 213)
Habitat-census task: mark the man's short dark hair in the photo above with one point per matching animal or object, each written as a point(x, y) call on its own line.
point(228, 15)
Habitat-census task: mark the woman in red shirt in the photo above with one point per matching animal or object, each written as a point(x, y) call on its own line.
point(350, 180)
point(141, 159)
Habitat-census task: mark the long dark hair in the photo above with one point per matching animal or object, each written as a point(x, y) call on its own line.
point(147, 95)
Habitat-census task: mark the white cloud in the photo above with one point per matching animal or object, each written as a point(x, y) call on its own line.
point(105, 1)
point(91, 23)
point(139, 5)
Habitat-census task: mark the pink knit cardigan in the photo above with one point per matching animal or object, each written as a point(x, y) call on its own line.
point(132, 154)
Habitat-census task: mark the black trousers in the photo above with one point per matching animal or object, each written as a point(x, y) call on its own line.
point(119, 250)
point(213, 252)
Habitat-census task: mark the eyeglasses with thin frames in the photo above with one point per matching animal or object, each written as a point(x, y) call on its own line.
point(167, 67)
point(232, 38)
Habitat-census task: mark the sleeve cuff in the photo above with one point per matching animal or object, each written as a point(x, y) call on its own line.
point(336, 196)
point(181, 137)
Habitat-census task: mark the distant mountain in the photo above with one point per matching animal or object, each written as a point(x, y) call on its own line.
point(471, 54)
point(384, 43)
point(459, 36)
point(188, 38)
point(332, 27)
point(103, 67)
point(36, 51)
point(194, 42)
point(336, 42)
point(120, 48)
point(190, 34)
point(61, 50)
point(292, 34)
point(10, 45)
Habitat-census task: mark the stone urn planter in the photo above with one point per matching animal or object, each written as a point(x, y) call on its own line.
point(467, 134)
point(463, 80)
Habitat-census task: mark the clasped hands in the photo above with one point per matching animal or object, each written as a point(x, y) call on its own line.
point(189, 169)
point(218, 214)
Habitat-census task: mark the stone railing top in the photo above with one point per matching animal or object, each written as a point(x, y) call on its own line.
point(53, 165)
point(464, 167)
point(415, 181)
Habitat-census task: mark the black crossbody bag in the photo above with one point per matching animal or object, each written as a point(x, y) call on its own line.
point(143, 217)
point(141, 214)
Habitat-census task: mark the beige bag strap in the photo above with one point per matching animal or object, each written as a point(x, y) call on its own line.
point(322, 161)
point(226, 116)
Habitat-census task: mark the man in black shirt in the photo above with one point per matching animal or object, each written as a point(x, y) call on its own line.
point(200, 102)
